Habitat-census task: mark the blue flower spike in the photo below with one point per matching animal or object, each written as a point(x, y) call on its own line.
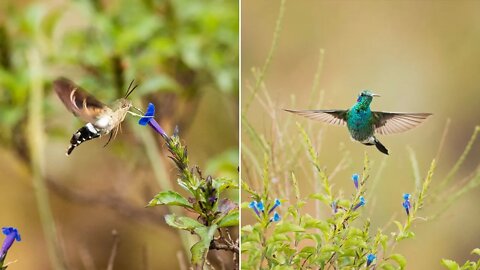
point(276, 204)
point(253, 206)
point(406, 203)
point(260, 206)
point(276, 217)
point(12, 235)
point(362, 202)
point(355, 180)
point(148, 115)
point(370, 258)
point(148, 119)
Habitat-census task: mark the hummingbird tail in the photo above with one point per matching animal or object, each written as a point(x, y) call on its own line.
point(381, 147)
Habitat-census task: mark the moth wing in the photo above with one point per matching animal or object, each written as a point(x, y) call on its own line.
point(78, 101)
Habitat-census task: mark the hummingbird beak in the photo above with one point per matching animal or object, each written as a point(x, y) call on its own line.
point(375, 95)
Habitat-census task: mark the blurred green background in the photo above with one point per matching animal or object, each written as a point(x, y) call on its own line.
point(184, 55)
point(420, 56)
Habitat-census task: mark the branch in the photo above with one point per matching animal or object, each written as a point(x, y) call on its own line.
point(215, 244)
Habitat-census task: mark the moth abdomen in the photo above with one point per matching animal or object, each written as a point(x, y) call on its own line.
point(85, 133)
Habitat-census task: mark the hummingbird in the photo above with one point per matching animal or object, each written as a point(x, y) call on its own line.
point(363, 124)
point(101, 119)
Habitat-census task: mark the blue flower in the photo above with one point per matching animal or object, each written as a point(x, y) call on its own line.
point(406, 203)
point(276, 204)
point(12, 235)
point(253, 205)
point(362, 202)
point(370, 258)
point(276, 217)
point(355, 179)
point(260, 206)
point(148, 119)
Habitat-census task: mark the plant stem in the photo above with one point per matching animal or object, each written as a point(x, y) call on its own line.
point(159, 169)
point(462, 158)
point(36, 144)
point(261, 76)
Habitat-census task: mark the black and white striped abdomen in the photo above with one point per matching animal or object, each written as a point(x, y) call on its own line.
point(85, 133)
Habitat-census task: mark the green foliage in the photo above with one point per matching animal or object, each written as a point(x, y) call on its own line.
point(303, 241)
point(452, 265)
point(341, 240)
point(204, 199)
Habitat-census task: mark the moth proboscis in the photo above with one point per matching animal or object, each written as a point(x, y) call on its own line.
point(101, 119)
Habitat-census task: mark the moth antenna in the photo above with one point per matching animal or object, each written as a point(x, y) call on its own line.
point(129, 86)
point(129, 91)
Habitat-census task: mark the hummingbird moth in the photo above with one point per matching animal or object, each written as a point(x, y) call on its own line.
point(101, 119)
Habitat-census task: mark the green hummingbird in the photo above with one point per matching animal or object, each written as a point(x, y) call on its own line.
point(362, 123)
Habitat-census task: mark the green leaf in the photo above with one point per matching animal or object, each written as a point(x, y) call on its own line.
point(200, 249)
point(451, 265)
point(279, 238)
point(169, 198)
point(288, 227)
point(388, 267)
point(405, 235)
point(247, 229)
point(313, 223)
point(470, 266)
point(182, 223)
point(321, 197)
point(231, 219)
point(401, 261)
point(307, 251)
point(399, 226)
point(222, 184)
point(476, 251)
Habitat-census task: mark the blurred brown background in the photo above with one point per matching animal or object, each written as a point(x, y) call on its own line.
point(184, 55)
point(420, 56)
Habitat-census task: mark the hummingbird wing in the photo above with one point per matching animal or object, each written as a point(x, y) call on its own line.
point(332, 117)
point(397, 122)
point(78, 101)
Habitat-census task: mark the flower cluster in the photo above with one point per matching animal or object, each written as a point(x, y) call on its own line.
point(361, 202)
point(148, 119)
point(370, 258)
point(12, 235)
point(259, 208)
point(355, 178)
point(406, 203)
